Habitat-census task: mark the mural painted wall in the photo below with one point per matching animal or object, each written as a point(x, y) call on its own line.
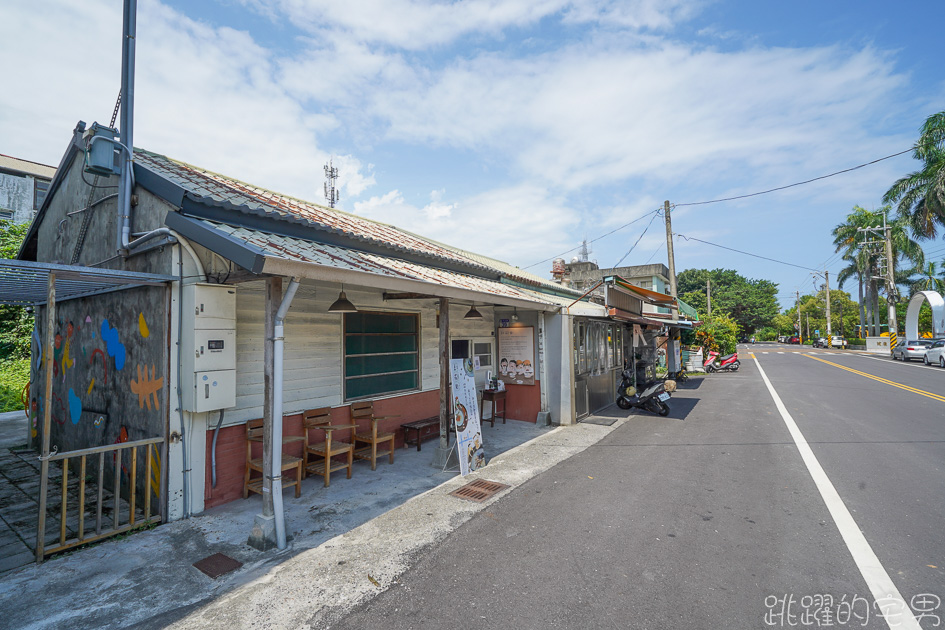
point(109, 369)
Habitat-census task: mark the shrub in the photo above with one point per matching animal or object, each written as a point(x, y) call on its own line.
point(14, 375)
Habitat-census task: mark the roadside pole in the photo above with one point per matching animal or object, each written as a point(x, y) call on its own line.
point(708, 297)
point(669, 248)
point(827, 288)
point(891, 292)
point(797, 301)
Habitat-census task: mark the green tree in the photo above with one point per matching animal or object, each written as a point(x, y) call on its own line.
point(750, 303)
point(920, 196)
point(862, 252)
point(719, 333)
point(927, 278)
point(15, 329)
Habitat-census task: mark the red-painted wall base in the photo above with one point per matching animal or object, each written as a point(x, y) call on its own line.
point(523, 402)
point(231, 442)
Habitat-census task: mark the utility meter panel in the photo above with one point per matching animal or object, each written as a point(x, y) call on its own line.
point(208, 347)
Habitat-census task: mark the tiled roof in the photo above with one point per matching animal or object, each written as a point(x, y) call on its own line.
point(300, 250)
point(211, 187)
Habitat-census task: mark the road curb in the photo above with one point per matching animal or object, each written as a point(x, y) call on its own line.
point(318, 587)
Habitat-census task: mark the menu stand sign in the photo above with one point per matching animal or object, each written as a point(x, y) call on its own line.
point(517, 355)
point(466, 417)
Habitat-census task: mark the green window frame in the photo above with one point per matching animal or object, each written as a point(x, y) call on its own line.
point(381, 353)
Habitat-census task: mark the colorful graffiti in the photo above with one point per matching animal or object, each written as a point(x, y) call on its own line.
point(147, 388)
point(113, 345)
point(143, 326)
point(75, 407)
point(104, 363)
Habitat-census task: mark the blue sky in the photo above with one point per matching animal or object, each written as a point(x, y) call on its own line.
point(513, 128)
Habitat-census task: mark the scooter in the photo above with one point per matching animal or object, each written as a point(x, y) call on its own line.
point(653, 396)
point(728, 363)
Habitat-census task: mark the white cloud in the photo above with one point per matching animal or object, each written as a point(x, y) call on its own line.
point(419, 24)
point(519, 225)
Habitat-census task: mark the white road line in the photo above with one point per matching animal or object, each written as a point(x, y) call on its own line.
point(764, 352)
point(780, 353)
point(896, 612)
point(888, 361)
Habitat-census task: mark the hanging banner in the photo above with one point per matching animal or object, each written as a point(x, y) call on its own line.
point(517, 355)
point(466, 416)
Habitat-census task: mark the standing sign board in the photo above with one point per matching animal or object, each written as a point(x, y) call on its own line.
point(466, 416)
point(517, 355)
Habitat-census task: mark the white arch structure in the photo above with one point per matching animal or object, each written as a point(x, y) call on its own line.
point(938, 314)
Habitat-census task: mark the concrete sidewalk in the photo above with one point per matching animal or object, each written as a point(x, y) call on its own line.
point(349, 541)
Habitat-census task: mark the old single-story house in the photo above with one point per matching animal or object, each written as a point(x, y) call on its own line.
point(371, 312)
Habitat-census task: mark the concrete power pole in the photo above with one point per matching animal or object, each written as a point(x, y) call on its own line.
point(827, 288)
point(891, 292)
point(669, 249)
point(708, 297)
point(797, 301)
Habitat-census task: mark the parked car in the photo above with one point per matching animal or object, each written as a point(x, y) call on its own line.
point(935, 353)
point(836, 341)
point(911, 350)
point(820, 342)
point(794, 339)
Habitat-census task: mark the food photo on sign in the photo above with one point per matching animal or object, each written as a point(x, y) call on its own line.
point(466, 416)
point(517, 355)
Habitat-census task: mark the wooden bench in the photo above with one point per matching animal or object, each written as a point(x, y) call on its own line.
point(419, 426)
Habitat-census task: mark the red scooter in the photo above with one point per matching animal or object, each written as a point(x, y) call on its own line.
point(729, 363)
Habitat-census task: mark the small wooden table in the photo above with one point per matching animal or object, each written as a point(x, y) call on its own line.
point(418, 426)
point(494, 396)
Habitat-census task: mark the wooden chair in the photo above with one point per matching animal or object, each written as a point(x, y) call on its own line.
point(365, 410)
point(323, 452)
point(254, 433)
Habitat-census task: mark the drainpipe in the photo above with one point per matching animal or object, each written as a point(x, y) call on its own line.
point(278, 348)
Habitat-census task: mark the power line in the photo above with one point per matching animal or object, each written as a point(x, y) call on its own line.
point(692, 238)
point(808, 181)
point(655, 214)
point(595, 239)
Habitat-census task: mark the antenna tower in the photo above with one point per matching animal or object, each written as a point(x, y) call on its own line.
point(585, 252)
point(331, 176)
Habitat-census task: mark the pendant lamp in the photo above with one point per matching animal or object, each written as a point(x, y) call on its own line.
point(342, 305)
point(473, 313)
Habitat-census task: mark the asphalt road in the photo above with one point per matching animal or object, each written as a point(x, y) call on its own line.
point(710, 518)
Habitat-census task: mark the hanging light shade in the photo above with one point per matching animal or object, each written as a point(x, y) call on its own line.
point(342, 305)
point(473, 313)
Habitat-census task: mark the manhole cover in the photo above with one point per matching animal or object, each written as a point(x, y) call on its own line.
point(479, 490)
point(217, 565)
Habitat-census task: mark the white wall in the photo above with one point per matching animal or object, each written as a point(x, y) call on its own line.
point(313, 345)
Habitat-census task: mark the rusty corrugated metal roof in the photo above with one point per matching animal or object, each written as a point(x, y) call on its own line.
point(300, 250)
point(215, 188)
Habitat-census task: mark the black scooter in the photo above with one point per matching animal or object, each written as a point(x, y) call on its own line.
point(653, 396)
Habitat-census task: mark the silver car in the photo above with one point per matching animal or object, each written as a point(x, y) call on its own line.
point(912, 350)
point(934, 355)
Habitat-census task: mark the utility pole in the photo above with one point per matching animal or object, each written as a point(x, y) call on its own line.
point(708, 297)
point(891, 293)
point(808, 326)
point(669, 248)
point(890, 278)
point(827, 289)
point(797, 297)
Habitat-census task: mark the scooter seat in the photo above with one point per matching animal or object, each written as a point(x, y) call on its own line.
point(730, 356)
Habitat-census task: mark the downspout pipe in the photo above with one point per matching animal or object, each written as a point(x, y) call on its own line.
point(126, 128)
point(278, 350)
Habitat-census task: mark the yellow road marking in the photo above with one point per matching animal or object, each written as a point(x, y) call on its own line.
point(882, 380)
point(752, 355)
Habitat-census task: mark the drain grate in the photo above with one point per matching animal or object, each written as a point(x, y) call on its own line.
point(217, 565)
point(479, 490)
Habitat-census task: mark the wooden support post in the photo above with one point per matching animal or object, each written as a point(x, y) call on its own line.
point(82, 499)
point(444, 373)
point(47, 414)
point(273, 300)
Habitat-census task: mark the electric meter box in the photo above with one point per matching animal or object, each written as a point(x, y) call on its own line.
point(208, 347)
point(211, 391)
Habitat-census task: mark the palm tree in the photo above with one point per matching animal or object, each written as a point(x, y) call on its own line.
point(927, 278)
point(863, 254)
point(920, 196)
